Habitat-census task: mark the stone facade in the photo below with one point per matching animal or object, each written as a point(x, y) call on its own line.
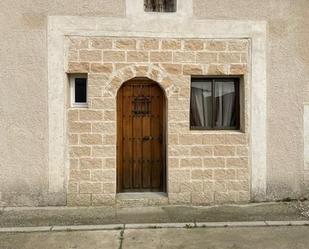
point(203, 167)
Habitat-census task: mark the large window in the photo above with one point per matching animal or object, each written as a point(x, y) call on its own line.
point(215, 104)
point(160, 5)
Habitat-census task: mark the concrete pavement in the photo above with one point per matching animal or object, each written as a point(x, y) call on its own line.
point(65, 216)
point(287, 237)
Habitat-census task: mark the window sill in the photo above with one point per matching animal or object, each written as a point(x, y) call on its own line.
point(80, 105)
point(240, 132)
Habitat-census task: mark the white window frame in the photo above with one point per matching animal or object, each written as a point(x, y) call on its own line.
point(72, 91)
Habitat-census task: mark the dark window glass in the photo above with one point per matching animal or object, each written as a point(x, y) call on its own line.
point(160, 5)
point(214, 104)
point(80, 90)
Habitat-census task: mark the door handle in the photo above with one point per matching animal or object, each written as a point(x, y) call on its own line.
point(147, 138)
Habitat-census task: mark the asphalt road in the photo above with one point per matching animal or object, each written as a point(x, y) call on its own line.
point(289, 237)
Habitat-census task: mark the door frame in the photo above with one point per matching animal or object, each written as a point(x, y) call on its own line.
point(119, 187)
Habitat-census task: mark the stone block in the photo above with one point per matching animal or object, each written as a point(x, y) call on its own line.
point(219, 186)
point(90, 163)
point(101, 43)
point(150, 44)
point(90, 55)
point(238, 45)
point(106, 68)
point(220, 150)
point(229, 58)
point(190, 139)
point(237, 185)
point(194, 45)
point(201, 151)
point(172, 68)
point(104, 127)
point(104, 151)
point(197, 186)
point(98, 80)
point(242, 151)
point(160, 56)
point(193, 69)
point(178, 115)
point(213, 139)
point(110, 139)
point(103, 199)
point(244, 196)
point(125, 44)
point(78, 67)
point(94, 91)
point(78, 43)
point(213, 162)
point(197, 174)
point(72, 187)
point(173, 162)
point(170, 44)
point(244, 58)
point(236, 139)
point(90, 187)
point(80, 175)
point(241, 162)
point(90, 115)
point(179, 198)
point(224, 174)
point(191, 163)
point(217, 69)
point(78, 200)
point(79, 127)
point(179, 175)
point(173, 139)
point(242, 174)
point(206, 57)
point(238, 69)
point(110, 163)
point(72, 55)
point(103, 103)
point(73, 139)
point(224, 197)
point(114, 56)
point(109, 188)
point(215, 45)
point(137, 56)
point(72, 115)
point(173, 187)
point(199, 198)
point(74, 164)
point(79, 151)
point(184, 57)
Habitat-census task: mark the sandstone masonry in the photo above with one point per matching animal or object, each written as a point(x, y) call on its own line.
point(203, 167)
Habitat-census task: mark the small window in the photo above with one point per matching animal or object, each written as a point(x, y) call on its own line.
point(215, 104)
point(160, 5)
point(78, 84)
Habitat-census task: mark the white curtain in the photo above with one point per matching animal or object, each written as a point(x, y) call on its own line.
point(201, 107)
point(225, 104)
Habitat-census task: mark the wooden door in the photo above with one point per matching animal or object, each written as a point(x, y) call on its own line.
point(140, 137)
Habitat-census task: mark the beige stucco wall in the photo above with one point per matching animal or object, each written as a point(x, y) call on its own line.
point(23, 89)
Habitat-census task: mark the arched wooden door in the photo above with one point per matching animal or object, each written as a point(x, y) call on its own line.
point(140, 137)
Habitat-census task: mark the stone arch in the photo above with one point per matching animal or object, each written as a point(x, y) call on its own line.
point(152, 72)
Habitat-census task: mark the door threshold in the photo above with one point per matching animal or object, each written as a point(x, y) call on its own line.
point(140, 195)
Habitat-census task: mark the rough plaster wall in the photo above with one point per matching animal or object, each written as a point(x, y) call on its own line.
point(23, 91)
point(288, 70)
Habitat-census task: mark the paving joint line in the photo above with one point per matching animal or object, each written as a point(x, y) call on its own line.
point(123, 227)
